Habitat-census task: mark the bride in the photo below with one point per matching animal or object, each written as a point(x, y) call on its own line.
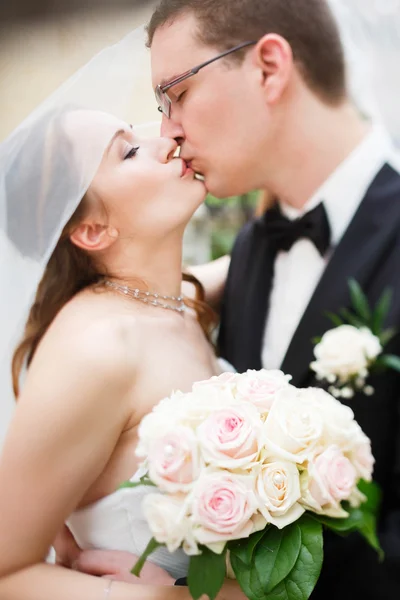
point(108, 336)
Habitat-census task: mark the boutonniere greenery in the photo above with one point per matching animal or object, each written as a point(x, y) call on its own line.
point(347, 354)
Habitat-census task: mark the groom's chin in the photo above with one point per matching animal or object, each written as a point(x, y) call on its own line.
point(220, 188)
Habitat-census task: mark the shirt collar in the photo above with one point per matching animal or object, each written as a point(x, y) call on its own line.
point(345, 188)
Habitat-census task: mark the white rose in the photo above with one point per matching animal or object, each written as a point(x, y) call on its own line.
point(294, 426)
point(361, 456)
point(345, 352)
point(204, 400)
point(165, 416)
point(278, 490)
point(339, 424)
point(261, 387)
point(167, 520)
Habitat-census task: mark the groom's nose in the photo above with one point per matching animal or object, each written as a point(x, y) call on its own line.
point(172, 129)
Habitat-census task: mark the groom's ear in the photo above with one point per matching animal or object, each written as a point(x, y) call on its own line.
point(274, 57)
point(93, 236)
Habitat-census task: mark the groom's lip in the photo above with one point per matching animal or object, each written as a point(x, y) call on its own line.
point(185, 167)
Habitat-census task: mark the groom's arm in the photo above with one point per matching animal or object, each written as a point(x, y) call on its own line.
point(212, 277)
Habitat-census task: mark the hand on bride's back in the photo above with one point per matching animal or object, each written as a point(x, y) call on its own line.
point(104, 563)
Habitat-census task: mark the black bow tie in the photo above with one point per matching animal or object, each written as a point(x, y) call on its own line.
point(283, 233)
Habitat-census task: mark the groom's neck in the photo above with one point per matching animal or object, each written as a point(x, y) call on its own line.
point(314, 142)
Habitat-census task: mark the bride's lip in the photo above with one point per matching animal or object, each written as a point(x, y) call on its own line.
point(186, 168)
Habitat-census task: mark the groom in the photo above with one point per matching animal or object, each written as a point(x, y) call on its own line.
point(275, 114)
point(254, 91)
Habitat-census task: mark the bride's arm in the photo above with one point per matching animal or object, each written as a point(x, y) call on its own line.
point(72, 410)
point(45, 582)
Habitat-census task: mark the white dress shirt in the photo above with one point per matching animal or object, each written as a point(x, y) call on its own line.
point(298, 271)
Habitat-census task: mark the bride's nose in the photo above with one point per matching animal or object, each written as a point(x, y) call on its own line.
point(167, 149)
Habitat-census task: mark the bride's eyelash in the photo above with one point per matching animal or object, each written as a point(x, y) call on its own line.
point(132, 152)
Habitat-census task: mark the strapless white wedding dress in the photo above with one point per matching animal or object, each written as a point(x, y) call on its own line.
point(116, 522)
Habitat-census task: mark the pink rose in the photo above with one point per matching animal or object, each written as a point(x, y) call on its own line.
point(229, 437)
point(223, 506)
point(174, 460)
point(333, 477)
point(261, 387)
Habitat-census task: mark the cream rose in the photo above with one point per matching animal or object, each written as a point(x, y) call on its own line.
point(225, 380)
point(167, 520)
point(345, 352)
point(223, 505)
point(278, 490)
point(229, 438)
point(174, 460)
point(261, 387)
point(361, 456)
point(332, 477)
point(340, 428)
point(294, 425)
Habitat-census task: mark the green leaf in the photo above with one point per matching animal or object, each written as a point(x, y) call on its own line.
point(250, 587)
point(391, 361)
point(387, 335)
point(368, 531)
point(381, 310)
point(373, 493)
point(342, 526)
point(335, 319)
point(351, 319)
point(243, 549)
point(359, 301)
point(206, 573)
point(276, 555)
point(151, 546)
point(301, 581)
point(132, 484)
point(362, 519)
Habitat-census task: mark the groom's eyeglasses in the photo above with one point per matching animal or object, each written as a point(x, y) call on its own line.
point(163, 100)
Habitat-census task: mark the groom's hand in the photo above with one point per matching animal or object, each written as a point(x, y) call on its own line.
point(117, 565)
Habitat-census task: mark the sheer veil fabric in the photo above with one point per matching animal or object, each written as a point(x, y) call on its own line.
point(44, 173)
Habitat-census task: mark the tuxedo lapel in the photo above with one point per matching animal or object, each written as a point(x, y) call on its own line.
point(254, 300)
point(358, 255)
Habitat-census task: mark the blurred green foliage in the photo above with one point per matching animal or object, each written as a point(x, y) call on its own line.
point(227, 217)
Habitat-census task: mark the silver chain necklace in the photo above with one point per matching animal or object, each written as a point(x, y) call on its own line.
point(149, 297)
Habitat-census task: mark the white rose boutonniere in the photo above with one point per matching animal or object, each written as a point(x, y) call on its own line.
point(346, 355)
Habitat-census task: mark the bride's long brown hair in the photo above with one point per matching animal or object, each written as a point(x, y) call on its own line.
point(69, 271)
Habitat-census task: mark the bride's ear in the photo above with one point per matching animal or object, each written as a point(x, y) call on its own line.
point(93, 237)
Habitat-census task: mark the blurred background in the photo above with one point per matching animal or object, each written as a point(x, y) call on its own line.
point(43, 42)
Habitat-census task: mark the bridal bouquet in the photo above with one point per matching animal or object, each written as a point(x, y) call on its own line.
point(248, 470)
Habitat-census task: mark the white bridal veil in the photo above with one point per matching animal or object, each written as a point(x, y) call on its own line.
point(41, 182)
point(370, 31)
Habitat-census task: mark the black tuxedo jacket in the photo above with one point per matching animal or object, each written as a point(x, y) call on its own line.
point(369, 252)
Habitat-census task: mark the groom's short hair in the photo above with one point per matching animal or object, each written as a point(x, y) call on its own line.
point(308, 26)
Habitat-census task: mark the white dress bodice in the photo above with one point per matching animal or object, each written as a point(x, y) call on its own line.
point(116, 522)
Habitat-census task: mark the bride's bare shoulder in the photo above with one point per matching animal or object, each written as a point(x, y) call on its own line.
point(94, 330)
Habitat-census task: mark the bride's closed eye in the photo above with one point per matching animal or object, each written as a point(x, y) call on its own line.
point(132, 152)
